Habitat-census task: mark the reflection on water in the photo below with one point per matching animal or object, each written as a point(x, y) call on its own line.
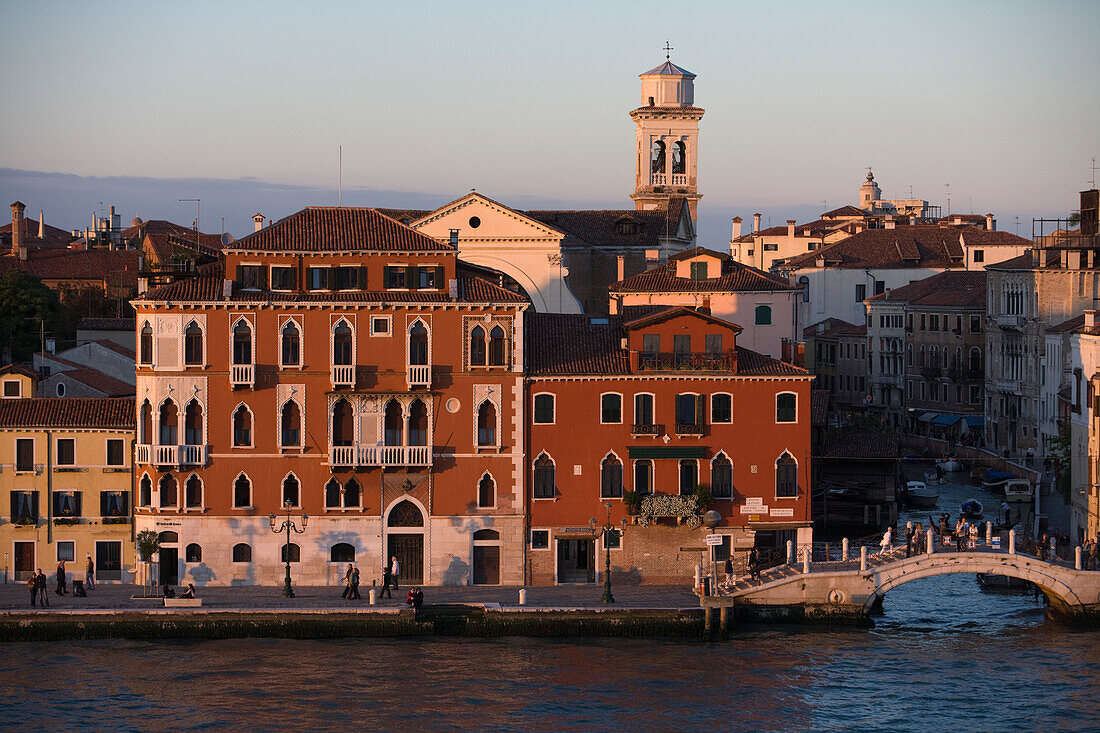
point(944, 655)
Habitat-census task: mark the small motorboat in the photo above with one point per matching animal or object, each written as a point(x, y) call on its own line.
point(1018, 489)
point(949, 464)
point(971, 509)
point(1001, 582)
point(920, 495)
point(993, 480)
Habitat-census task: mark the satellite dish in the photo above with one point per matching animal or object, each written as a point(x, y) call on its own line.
point(227, 239)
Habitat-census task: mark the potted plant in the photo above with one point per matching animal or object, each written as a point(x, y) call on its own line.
point(703, 496)
point(633, 502)
point(148, 544)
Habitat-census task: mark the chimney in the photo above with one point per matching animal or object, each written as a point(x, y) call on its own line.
point(736, 234)
point(454, 238)
point(957, 220)
point(17, 228)
point(257, 222)
point(755, 223)
point(41, 224)
point(652, 257)
point(620, 267)
point(790, 228)
point(912, 220)
point(990, 225)
point(1090, 319)
point(889, 221)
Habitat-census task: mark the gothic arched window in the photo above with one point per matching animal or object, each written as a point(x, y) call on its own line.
point(192, 344)
point(657, 157)
point(477, 346)
point(679, 157)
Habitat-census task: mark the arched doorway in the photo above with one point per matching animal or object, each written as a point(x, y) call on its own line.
point(486, 570)
point(405, 540)
point(169, 558)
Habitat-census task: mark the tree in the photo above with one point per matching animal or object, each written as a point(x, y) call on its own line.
point(147, 543)
point(89, 303)
point(24, 301)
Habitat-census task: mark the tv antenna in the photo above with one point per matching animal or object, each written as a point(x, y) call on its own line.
point(198, 213)
point(947, 186)
point(340, 179)
point(1093, 181)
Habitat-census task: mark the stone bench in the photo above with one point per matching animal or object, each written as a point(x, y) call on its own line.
point(182, 602)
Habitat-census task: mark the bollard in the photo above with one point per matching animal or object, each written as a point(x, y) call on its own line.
point(989, 533)
point(523, 596)
point(844, 550)
point(790, 552)
point(863, 557)
point(699, 578)
point(930, 546)
point(723, 622)
point(1077, 558)
point(1011, 542)
point(371, 596)
point(806, 560)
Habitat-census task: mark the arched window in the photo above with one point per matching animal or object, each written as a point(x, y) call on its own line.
point(721, 408)
point(657, 157)
point(352, 493)
point(544, 477)
point(477, 346)
point(341, 345)
point(486, 492)
point(192, 492)
point(145, 344)
point(394, 423)
point(486, 535)
point(291, 492)
point(332, 494)
point(679, 157)
point(242, 343)
point(242, 552)
point(192, 344)
point(498, 347)
point(418, 423)
point(341, 552)
point(786, 407)
point(192, 423)
point(168, 489)
point(168, 538)
point(192, 553)
point(643, 476)
point(763, 315)
point(689, 476)
point(291, 424)
point(487, 424)
point(975, 360)
point(405, 514)
point(786, 476)
point(544, 409)
point(242, 427)
point(909, 355)
point(242, 492)
point(343, 423)
point(804, 283)
point(418, 344)
point(291, 553)
point(611, 477)
point(145, 491)
point(291, 345)
point(922, 356)
point(721, 477)
point(169, 423)
point(146, 425)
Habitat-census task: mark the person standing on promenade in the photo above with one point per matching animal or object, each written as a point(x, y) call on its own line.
point(347, 583)
point(387, 578)
point(1094, 552)
point(33, 588)
point(395, 570)
point(355, 585)
point(40, 586)
point(89, 572)
point(61, 578)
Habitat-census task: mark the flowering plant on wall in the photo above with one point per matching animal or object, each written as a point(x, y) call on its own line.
point(669, 505)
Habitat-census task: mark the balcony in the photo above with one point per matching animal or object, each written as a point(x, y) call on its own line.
point(419, 375)
point(143, 453)
point(343, 375)
point(1014, 322)
point(889, 380)
point(1008, 385)
point(381, 455)
point(657, 179)
point(965, 375)
point(697, 362)
point(242, 375)
point(342, 455)
point(651, 430)
point(192, 455)
point(165, 455)
point(679, 179)
point(688, 429)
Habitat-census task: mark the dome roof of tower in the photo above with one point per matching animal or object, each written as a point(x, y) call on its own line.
point(668, 69)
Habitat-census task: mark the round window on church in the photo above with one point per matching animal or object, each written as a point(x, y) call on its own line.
point(475, 222)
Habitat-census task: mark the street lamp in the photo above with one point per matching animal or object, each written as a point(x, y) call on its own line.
point(606, 531)
point(287, 526)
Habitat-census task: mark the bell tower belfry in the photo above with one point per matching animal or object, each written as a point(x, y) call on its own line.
point(667, 129)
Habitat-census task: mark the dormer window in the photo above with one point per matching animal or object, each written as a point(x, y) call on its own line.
point(627, 227)
point(250, 277)
point(699, 270)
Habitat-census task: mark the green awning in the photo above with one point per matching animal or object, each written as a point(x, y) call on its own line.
point(663, 451)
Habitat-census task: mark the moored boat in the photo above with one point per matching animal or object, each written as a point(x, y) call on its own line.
point(1001, 582)
point(949, 464)
point(994, 480)
point(971, 509)
point(1017, 489)
point(920, 495)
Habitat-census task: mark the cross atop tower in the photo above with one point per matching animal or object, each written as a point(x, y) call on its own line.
point(668, 48)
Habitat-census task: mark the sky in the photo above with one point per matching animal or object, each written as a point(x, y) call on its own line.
point(246, 104)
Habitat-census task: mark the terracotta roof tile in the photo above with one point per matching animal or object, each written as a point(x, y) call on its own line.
point(735, 278)
point(114, 267)
point(753, 364)
point(908, 246)
point(100, 382)
point(345, 228)
point(107, 324)
point(859, 444)
point(833, 327)
point(68, 412)
point(963, 289)
point(611, 228)
point(1023, 262)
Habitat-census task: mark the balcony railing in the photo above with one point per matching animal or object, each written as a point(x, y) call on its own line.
point(1008, 385)
point(143, 453)
point(657, 362)
point(419, 375)
point(343, 375)
point(380, 455)
point(645, 429)
point(192, 455)
point(242, 375)
point(688, 429)
point(1010, 321)
point(657, 179)
point(679, 179)
point(166, 455)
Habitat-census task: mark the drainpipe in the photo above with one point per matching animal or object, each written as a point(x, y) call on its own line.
point(133, 498)
point(524, 457)
point(49, 489)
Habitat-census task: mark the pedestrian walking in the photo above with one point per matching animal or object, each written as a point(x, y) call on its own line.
point(61, 579)
point(89, 572)
point(1006, 512)
point(728, 567)
point(355, 585)
point(387, 578)
point(40, 586)
point(887, 538)
point(973, 536)
point(754, 563)
point(347, 583)
point(395, 570)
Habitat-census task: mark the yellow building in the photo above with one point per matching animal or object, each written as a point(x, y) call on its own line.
point(65, 479)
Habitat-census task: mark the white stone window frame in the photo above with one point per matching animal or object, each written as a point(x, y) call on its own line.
point(251, 426)
point(634, 474)
point(698, 475)
point(156, 493)
point(775, 475)
point(306, 286)
point(235, 320)
point(179, 420)
point(199, 319)
point(153, 490)
point(554, 411)
point(344, 506)
point(622, 476)
point(334, 321)
point(290, 393)
point(388, 333)
point(282, 484)
point(615, 394)
point(410, 321)
point(554, 463)
point(495, 445)
point(271, 280)
point(18, 392)
point(775, 415)
point(182, 491)
point(149, 321)
point(182, 431)
point(488, 322)
point(262, 269)
point(298, 322)
point(251, 491)
point(324, 494)
point(549, 539)
point(477, 491)
point(634, 407)
point(729, 458)
point(57, 452)
point(730, 395)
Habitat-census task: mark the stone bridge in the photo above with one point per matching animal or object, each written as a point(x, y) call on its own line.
point(848, 591)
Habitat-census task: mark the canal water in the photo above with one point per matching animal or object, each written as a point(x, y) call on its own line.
point(945, 655)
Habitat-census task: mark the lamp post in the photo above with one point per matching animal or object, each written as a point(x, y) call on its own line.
point(287, 526)
point(606, 531)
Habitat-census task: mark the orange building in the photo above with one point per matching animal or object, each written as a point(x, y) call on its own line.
point(650, 406)
point(346, 366)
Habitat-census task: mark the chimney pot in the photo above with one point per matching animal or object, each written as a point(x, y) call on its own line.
point(17, 227)
point(889, 221)
point(257, 222)
point(755, 223)
point(790, 228)
point(454, 237)
point(1090, 318)
point(620, 267)
point(736, 234)
point(990, 224)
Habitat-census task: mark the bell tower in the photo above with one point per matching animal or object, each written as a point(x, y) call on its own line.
point(667, 130)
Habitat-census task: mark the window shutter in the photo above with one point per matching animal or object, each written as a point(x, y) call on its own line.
point(240, 277)
point(412, 281)
point(293, 279)
point(361, 279)
point(700, 410)
point(330, 278)
point(77, 503)
point(261, 277)
point(438, 277)
point(387, 277)
point(34, 503)
point(103, 502)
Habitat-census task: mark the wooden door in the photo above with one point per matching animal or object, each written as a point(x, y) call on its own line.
point(409, 549)
point(169, 565)
point(487, 565)
point(24, 560)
